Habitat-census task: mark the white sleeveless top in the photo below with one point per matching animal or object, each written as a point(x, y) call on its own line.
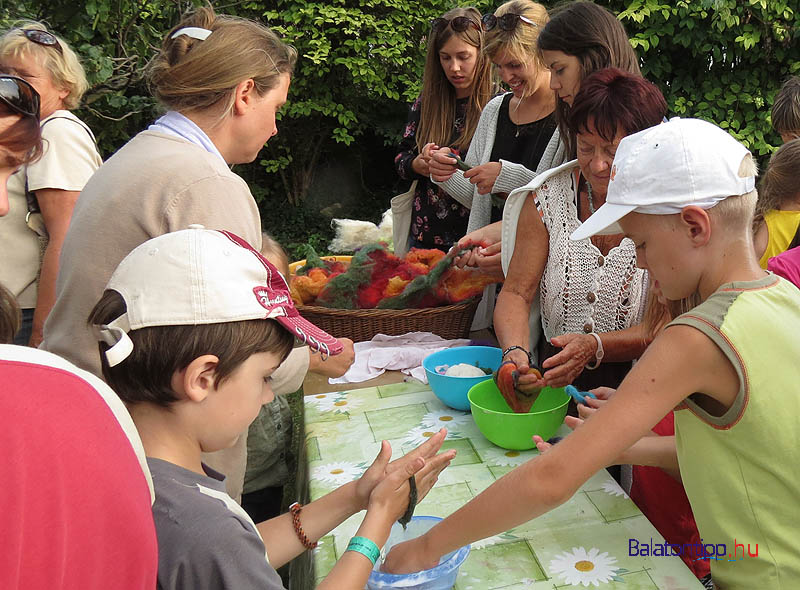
point(581, 290)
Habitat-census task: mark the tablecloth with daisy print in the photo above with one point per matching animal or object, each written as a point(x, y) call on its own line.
point(584, 542)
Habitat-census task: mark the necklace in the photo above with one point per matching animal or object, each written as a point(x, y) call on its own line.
point(589, 195)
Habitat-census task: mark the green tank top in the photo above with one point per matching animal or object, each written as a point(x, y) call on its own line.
point(741, 470)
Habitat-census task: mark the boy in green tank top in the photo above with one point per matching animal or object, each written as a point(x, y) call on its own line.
point(684, 192)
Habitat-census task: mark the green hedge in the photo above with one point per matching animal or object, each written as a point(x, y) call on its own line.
point(360, 64)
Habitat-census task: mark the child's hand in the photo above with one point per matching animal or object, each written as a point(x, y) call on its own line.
point(390, 497)
point(408, 557)
point(590, 407)
point(381, 467)
point(543, 446)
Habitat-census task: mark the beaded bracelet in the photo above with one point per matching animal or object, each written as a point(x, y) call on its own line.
point(515, 347)
point(365, 547)
point(295, 510)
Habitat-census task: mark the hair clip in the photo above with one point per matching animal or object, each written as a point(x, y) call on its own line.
point(193, 32)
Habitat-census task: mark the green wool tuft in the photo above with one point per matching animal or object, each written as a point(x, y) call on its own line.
point(341, 290)
point(313, 260)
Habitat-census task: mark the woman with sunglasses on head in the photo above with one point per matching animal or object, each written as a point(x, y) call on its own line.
point(43, 194)
point(516, 137)
point(456, 85)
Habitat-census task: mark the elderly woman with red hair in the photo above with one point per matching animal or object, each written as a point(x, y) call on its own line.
point(592, 294)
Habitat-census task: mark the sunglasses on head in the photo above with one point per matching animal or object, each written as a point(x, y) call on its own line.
point(19, 96)
point(507, 22)
point(459, 24)
point(41, 37)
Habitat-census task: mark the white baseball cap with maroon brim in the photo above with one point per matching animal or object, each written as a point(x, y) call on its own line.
point(201, 276)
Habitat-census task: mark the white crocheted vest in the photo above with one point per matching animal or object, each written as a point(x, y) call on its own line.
point(581, 290)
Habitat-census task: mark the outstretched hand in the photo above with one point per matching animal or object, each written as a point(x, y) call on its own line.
point(543, 446)
point(426, 475)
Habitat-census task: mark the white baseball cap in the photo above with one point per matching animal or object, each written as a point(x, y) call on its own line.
point(200, 276)
point(665, 168)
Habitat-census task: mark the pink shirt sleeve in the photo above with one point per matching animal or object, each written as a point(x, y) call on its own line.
point(787, 265)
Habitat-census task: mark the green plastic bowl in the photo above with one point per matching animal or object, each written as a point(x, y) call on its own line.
point(498, 422)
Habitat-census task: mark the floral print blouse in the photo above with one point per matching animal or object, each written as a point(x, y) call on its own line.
point(438, 220)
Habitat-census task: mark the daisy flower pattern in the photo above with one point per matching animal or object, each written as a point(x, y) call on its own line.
point(417, 436)
point(322, 398)
point(337, 474)
point(613, 488)
point(505, 458)
point(338, 405)
point(585, 567)
point(447, 418)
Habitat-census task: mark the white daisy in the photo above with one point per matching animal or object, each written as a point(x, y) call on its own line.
point(447, 418)
point(582, 567)
point(338, 473)
point(613, 488)
point(322, 398)
point(506, 458)
point(338, 405)
point(417, 436)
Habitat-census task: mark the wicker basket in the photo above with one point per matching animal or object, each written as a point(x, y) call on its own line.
point(446, 321)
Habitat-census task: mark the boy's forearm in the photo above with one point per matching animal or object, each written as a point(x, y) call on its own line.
point(317, 519)
point(353, 569)
point(653, 451)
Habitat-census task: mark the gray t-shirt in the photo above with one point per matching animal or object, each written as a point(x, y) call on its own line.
point(205, 540)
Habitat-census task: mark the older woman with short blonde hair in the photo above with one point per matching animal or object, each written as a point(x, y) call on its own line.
point(42, 194)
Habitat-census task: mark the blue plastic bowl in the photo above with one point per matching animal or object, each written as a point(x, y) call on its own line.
point(441, 577)
point(453, 390)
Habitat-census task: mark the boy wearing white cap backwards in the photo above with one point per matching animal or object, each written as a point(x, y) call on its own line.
point(191, 326)
point(683, 191)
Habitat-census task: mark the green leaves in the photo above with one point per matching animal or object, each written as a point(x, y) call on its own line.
point(720, 60)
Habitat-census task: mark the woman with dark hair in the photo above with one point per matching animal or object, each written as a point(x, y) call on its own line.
point(456, 85)
point(591, 291)
point(581, 38)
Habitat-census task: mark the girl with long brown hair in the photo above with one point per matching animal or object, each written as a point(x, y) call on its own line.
point(457, 84)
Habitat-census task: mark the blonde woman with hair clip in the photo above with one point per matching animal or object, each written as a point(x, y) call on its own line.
point(42, 194)
point(456, 85)
point(222, 80)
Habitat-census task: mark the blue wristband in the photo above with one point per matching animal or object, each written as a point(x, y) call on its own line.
point(365, 547)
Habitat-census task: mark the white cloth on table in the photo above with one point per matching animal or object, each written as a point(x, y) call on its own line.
point(398, 353)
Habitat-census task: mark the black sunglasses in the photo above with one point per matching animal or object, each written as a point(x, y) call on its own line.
point(459, 24)
point(20, 96)
point(41, 37)
point(507, 22)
